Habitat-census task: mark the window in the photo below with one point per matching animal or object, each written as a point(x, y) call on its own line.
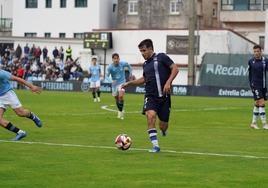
point(47, 35)
point(48, 3)
point(241, 4)
point(62, 3)
point(174, 7)
point(62, 35)
point(265, 4)
point(132, 7)
point(255, 5)
point(80, 3)
point(227, 4)
point(31, 3)
point(30, 34)
point(261, 41)
point(78, 35)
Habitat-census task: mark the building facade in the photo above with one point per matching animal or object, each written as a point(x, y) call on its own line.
point(165, 14)
point(245, 16)
point(6, 14)
point(61, 18)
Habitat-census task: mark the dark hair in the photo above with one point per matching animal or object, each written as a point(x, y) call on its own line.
point(148, 43)
point(257, 47)
point(115, 54)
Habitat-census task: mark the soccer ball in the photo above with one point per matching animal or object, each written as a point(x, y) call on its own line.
point(123, 142)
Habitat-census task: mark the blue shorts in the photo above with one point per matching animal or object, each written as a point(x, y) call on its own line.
point(259, 93)
point(161, 105)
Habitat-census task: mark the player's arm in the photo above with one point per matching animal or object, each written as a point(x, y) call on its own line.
point(32, 87)
point(129, 69)
point(89, 73)
point(108, 72)
point(139, 81)
point(174, 72)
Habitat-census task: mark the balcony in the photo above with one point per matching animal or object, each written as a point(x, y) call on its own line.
point(242, 16)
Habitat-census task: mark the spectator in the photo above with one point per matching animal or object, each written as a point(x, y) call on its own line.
point(37, 54)
point(26, 51)
point(61, 53)
point(69, 53)
point(20, 74)
point(55, 53)
point(18, 52)
point(32, 50)
point(45, 52)
point(7, 52)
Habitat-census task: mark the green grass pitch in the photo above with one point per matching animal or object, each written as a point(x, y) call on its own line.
point(209, 144)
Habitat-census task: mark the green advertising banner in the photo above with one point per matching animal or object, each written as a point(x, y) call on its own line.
point(224, 70)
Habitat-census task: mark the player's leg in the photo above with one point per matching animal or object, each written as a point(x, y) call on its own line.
point(255, 116)
point(94, 94)
point(15, 104)
point(93, 90)
point(150, 111)
point(22, 112)
point(163, 114)
point(9, 126)
point(261, 104)
point(98, 90)
point(120, 102)
point(262, 108)
point(115, 95)
point(257, 97)
point(163, 127)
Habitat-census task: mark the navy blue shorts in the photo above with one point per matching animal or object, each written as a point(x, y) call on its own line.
point(161, 105)
point(259, 93)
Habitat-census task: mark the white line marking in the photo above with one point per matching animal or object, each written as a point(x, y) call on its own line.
point(138, 149)
point(110, 110)
point(107, 108)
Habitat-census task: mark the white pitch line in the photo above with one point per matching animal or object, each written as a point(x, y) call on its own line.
point(138, 149)
point(110, 110)
point(107, 108)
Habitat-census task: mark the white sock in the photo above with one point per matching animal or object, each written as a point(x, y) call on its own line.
point(262, 114)
point(255, 114)
point(153, 136)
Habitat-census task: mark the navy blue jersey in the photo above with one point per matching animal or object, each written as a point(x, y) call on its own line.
point(156, 72)
point(257, 72)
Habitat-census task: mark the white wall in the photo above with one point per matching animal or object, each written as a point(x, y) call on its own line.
point(7, 7)
point(125, 42)
point(215, 41)
point(57, 20)
point(266, 33)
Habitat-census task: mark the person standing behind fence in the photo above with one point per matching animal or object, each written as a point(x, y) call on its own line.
point(45, 52)
point(69, 53)
point(257, 67)
point(26, 51)
point(94, 75)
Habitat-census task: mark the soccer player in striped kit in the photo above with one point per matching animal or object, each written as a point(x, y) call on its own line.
point(257, 67)
point(158, 73)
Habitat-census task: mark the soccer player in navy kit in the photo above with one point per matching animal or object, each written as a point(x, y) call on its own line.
point(8, 98)
point(158, 73)
point(257, 67)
